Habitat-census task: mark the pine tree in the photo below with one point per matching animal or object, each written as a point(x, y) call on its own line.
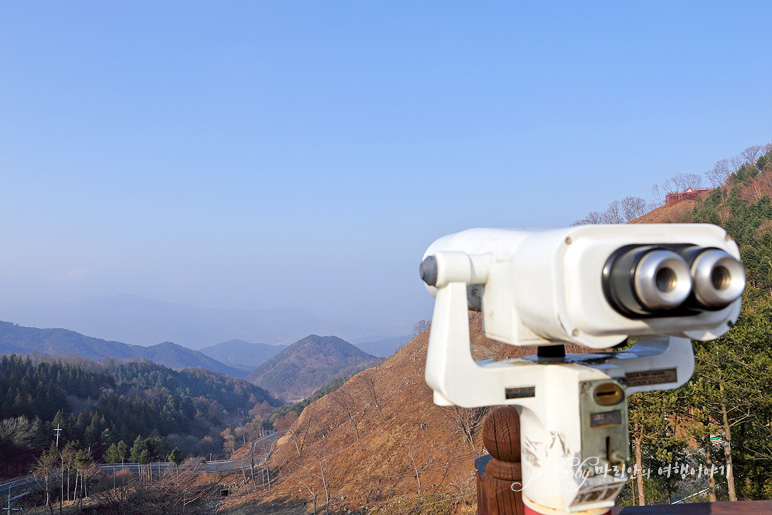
point(140, 446)
point(175, 457)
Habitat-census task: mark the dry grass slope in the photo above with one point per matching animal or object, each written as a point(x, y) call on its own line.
point(380, 442)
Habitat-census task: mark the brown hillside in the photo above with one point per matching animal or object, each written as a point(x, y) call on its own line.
point(750, 192)
point(666, 214)
point(376, 437)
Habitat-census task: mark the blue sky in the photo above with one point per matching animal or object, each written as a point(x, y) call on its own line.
point(304, 154)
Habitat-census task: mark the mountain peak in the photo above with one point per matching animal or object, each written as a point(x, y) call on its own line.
point(298, 370)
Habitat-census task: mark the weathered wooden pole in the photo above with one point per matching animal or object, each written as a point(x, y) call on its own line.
point(499, 482)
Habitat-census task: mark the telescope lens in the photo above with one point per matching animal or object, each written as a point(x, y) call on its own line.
point(661, 280)
point(646, 280)
point(719, 279)
point(666, 280)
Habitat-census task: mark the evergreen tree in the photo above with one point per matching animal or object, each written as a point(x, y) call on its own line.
point(122, 450)
point(139, 447)
point(111, 455)
point(175, 457)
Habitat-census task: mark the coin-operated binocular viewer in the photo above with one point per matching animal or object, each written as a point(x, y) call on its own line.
point(594, 286)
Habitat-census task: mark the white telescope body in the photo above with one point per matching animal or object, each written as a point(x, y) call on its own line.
point(594, 286)
point(545, 286)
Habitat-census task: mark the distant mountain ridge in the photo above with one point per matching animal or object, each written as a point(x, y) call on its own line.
point(300, 369)
point(16, 339)
point(242, 355)
point(139, 321)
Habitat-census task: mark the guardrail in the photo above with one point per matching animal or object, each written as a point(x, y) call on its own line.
point(24, 482)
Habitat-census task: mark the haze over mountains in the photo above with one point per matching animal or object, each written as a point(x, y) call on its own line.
point(16, 339)
point(242, 355)
point(140, 321)
point(384, 348)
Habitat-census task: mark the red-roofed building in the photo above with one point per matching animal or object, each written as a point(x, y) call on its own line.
point(688, 194)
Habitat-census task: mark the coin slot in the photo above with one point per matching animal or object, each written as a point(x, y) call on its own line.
point(608, 394)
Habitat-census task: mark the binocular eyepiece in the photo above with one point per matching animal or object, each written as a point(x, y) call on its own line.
point(642, 281)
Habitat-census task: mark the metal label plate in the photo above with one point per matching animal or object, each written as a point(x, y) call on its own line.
point(606, 418)
point(651, 377)
point(520, 393)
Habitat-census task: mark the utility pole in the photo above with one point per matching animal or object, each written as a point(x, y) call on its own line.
point(57, 431)
point(12, 500)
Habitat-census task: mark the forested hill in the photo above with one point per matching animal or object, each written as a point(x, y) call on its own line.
point(307, 364)
point(99, 404)
point(726, 408)
point(16, 339)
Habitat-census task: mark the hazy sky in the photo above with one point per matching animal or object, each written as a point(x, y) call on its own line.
point(304, 154)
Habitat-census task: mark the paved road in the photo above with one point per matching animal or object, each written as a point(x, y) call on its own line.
point(20, 483)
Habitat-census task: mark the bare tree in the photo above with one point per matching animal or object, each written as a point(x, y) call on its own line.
point(613, 214)
point(256, 456)
point(719, 174)
point(592, 218)
point(688, 180)
point(671, 186)
point(751, 153)
point(657, 192)
point(680, 182)
point(632, 208)
point(463, 482)
point(421, 326)
point(307, 482)
point(415, 468)
point(445, 469)
point(760, 187)
point(467, 421)
point(618, 212)
point(174, 492)
point(19, 431)
point(299, 433)
point(324, 475)
point(230, 440)
point(735, 163)
point(67, 455)
point(367, 379)
point(343, 399)
point(45, 470)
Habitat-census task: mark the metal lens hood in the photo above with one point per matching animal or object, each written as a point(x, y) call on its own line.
point(719, 279)
point(662, 280)
point(646, 280)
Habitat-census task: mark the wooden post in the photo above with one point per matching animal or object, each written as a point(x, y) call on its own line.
point(499, 486)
